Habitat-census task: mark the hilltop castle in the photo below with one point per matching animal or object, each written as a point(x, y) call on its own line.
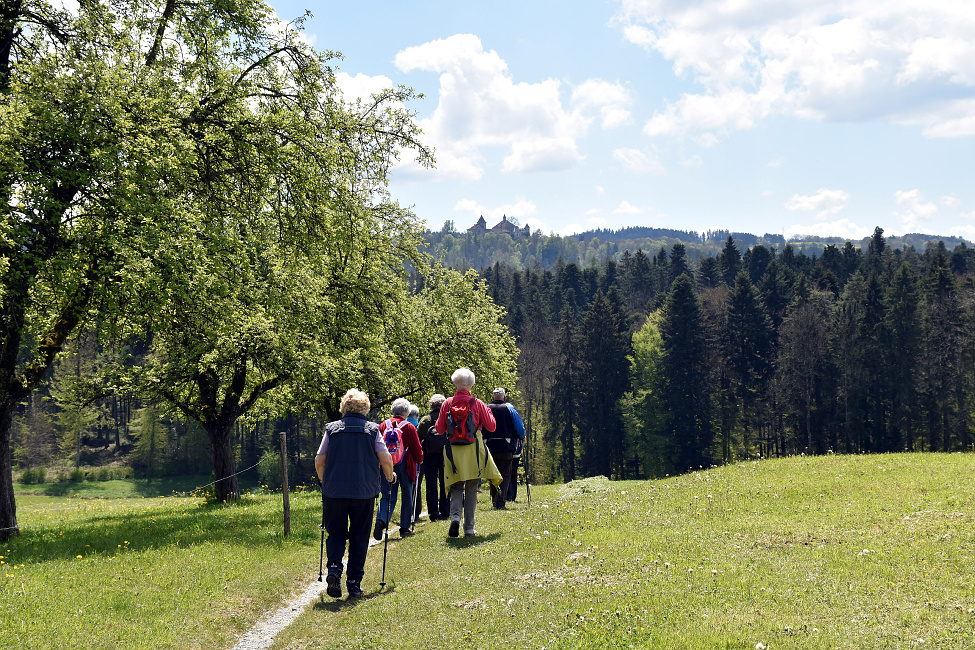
point(504, 226)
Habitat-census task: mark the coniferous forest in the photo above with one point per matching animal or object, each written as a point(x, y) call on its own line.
point(648, 363)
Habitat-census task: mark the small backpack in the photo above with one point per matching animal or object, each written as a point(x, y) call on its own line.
point(461, 430)
point(393, 437)
point(460, 422)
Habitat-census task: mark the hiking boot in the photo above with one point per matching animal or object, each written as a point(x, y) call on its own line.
point(377, 532)
point(454, 528)
point(472, 533)
point(354, 588)
point(405, 532)
point(334, 589)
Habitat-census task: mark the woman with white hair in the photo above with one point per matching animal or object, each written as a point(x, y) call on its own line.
point(405, 471)
point(466, 464)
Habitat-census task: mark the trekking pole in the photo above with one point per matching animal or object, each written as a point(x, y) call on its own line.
point(389, 500)
point(321, 557)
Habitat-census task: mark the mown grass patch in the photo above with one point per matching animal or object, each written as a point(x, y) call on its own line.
point(825, 552)
point(150, 573)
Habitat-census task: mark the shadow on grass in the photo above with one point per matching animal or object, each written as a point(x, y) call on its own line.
point(337, 605)
point(134, 488)
point(129, 529)
point(468, 542)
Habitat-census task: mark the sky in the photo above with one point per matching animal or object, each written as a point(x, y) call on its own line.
point(791, 117)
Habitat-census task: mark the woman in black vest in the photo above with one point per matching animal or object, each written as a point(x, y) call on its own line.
point(348, 464)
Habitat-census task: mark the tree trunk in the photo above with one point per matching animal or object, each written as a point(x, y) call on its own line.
point(222, 457)
point(8, 506)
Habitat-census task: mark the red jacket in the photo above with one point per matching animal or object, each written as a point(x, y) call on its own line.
point(483, 418)
point(414, 452)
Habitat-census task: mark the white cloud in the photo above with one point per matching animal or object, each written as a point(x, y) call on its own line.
point(694, 162)
point(824, 202)
point(593, 211)
point(639, 162)
point(967, 232)
point(571, 229)
point(950, 201)
point(775, 163)
point(610, 99)
point(596, 222)
point(480, 106)
point(916, 210)
point(907, 61)
point(625, 207)
point(361, 86)
point(841, 228)
point(599, 189)
point(520, 209)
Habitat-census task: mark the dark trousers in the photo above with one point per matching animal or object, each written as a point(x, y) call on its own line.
point(503, 461)
point(347, 520)
point(438, 503)
point(512, 492)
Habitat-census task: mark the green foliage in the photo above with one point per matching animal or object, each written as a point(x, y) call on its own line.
point(151, 438)
point(33, 476)
point(269, 471)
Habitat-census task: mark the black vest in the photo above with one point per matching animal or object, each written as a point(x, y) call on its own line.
point(504, 439)
point(352, 467)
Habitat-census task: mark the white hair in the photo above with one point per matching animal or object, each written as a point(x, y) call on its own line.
point(463, 378)
point(436, 401)
point(414, 411)
point(401, 406)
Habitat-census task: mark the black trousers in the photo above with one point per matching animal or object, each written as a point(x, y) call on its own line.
point(348, 520)
point(503, 461)
point(513, 486)
point(438, 503)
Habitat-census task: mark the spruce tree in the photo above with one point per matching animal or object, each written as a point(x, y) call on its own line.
point(685, 372)
point(603, 347)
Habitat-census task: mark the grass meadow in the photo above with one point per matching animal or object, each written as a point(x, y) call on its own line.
point(821, 552)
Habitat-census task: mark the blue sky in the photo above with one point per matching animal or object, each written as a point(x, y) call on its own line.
point(780, 116)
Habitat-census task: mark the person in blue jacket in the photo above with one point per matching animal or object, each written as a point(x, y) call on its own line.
point(503, 442)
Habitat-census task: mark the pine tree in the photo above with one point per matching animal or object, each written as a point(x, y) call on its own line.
point(685, 372)
point(730, 262)
point(603, 347)
point(746, 345)
point(901, 356)
point(563, 405)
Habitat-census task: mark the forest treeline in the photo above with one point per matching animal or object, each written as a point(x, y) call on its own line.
point(469, 250)
point(657, 364)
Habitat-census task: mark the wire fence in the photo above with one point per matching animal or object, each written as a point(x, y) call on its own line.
point(202, 487)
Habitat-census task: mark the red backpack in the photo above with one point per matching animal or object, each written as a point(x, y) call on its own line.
point(461, 430)
point(460, 422)
point(393, 437)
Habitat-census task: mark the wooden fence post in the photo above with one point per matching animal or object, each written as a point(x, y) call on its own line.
point(284, 484)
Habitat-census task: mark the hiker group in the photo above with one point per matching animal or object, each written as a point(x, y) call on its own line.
point(461, 442)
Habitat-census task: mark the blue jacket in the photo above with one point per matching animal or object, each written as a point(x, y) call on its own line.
point(510, 429)
point(352, 467)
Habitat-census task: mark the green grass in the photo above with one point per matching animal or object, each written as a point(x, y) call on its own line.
point(150, 573)
point(825, 552)
point(828, 552)
point(119, 489)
